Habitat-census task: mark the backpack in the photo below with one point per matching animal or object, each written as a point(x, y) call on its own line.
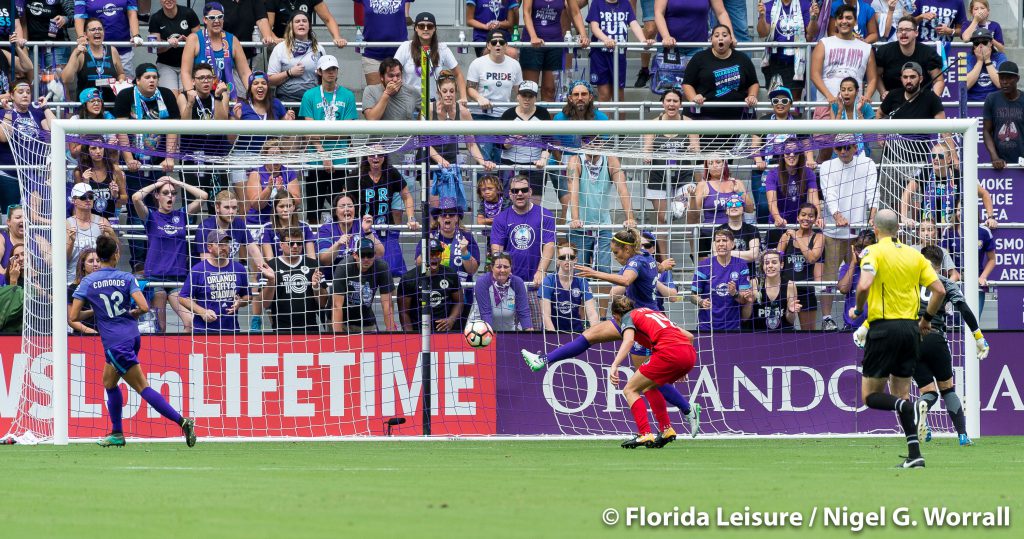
point(667, 70)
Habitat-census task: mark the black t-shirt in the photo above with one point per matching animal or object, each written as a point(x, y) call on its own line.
point(890, 60)
point(924, 107)
point(443, 286)
point(375, 198)
point(38, 14)
point(770, 314)
point(283, 9)
point(294, 307)
point(181, 25)
point(240, 18)
point(124, 105)
point(721, 80)
point(360, 288)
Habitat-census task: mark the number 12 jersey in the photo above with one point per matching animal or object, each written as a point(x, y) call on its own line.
point(108, 292)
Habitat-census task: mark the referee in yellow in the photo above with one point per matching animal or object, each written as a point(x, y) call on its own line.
point(891, 278)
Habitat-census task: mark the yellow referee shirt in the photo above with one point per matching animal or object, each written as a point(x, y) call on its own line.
point(899, 272)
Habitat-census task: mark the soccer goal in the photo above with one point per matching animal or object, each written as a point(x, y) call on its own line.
point(289, 380)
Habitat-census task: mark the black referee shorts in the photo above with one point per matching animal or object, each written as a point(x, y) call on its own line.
point(934, 362)
point(891, 349)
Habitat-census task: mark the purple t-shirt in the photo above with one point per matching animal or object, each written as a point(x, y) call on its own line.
point(487, 11)
point(114, 16)
point(642, 289)
point(948, 12)
point(547, 20)
point(518, 236)
point(237, 235)
point(269, 236)
point(383, 20)
point(711, 279)
point(791, 22)
point(789, 206)
point(983, 86)
point(108, 292)
point(953, 242)
point(167, 255)
point(215, 289)
point(331, 232)
point(850, 301)
point(687, 20)
point(261, 216)
point(24, 122)
point(614, 20)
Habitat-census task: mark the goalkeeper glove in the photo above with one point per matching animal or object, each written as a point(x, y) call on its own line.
point(860, 336)
point(982, 344)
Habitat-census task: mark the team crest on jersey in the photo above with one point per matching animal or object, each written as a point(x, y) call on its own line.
point(175, 219)
point(304, 269)
point(734, 275)
point(444, 283)
point(184, 25)
point(576, 292)
point(435, 298)
point(386, 7)
point(565, 307)
point(35, 8)
point(722, 290)
point(522, 237)
point(110, 10)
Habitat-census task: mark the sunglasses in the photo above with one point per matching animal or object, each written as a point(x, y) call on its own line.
point(424, 26)
point(519, 190)
point(495, 42)
point(292, 242)
point(648, 246)
point(169, 193)
point(844, 148)
point(446, 76)
point(567, 257)
point(905, 30)
point(215, 18)
point(88, 196)
point(792, 155)
point(781, 101)
point(734, 204)
point(367, 255)
point(939, 156)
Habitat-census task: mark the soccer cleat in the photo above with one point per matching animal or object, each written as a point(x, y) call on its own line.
point(694, 419)
point(664, 438)
point(536, 362)
point(114, 439)
point(256, 325)
point(188, 428)
point(642, 78)
point(928, 435)
point(646, 440)
point(965, 441)
point(921, 407)
point(828, 324)
point(912, 463)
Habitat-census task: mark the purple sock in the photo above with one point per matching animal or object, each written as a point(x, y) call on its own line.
point(566, 351)
point(158, 403)
point(673, 396)
point(114, 404)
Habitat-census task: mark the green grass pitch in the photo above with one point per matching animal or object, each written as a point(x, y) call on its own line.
point(487, 488)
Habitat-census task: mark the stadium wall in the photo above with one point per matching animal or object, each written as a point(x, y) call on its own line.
point(278, 386)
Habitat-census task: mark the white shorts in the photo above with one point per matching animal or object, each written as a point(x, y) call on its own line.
point(170, 77)
point(655, 194)
point(370, 66)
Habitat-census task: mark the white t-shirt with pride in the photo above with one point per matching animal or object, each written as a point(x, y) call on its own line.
point(495, 81)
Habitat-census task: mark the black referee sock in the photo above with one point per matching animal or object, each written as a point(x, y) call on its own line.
point(955, 410)
point(905, 411)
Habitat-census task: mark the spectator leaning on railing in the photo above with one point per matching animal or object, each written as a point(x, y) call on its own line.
point(226, 60)
point(278, 12)
point(542, 21)
point(891, 57)
point(983, 66)
point(173, 24)
point(383, 22)
point(720, 73)
point(865, 26)
point(493, 77)
point(1004, 119)
point(48, 21)
point(242, 18)
point(92, 64)
point(839, 56)
point(439, 58)
point(794, 21)
point(120, 18)
point(292, 64)
point(979, 12)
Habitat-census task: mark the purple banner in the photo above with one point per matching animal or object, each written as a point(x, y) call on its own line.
point(798, 383)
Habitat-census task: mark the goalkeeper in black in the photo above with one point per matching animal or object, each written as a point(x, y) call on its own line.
point(934, 371)
point(892, 275)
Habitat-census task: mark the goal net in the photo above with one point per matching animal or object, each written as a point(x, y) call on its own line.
point(283, 264)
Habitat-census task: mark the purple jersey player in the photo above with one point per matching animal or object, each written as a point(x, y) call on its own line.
point(109, 292)
point(216, 288)
point(721, 284)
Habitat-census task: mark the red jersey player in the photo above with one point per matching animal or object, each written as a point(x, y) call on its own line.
point(672, 357)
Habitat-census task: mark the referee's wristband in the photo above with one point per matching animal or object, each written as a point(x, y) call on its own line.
point(927, 316)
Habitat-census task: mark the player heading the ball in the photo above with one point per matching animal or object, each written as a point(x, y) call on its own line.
point(109, 292)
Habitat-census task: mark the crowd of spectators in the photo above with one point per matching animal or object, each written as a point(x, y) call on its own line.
point(315, 249)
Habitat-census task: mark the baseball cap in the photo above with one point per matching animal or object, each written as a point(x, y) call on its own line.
point(436, 246)
point(914, 66)
point(88, 95)
point(496, 34)
point(781, 91)
point(216, 236)
point(647, 234)
point(147, 67)
point(529, 86)
point(425, 17)
point(982, 33)
point(80, 189)
point(326, 62)
point(212, 6)
point(366, 247)
point(1009, 68)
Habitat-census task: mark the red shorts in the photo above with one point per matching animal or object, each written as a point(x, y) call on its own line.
point(668, 365)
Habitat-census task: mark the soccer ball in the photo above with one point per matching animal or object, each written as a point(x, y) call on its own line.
point(479, 334)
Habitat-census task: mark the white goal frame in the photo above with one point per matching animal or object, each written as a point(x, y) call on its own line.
point(967, 129)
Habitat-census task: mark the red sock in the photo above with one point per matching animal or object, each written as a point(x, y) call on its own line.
point(639, 409)
point(659, 407)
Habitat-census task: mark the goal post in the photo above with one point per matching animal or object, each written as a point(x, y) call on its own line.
point(625, 139)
